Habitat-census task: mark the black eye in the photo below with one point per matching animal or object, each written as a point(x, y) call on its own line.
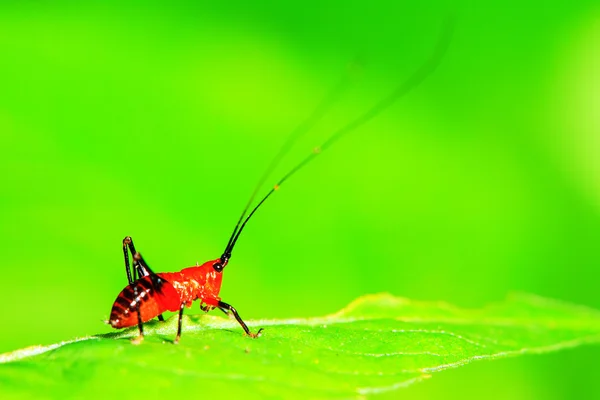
point(218, 266)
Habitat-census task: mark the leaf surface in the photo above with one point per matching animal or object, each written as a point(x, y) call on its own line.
point(378, 343)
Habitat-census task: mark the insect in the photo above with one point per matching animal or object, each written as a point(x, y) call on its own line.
point(150, 294)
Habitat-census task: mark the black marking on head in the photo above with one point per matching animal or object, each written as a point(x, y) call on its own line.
point(218, 266)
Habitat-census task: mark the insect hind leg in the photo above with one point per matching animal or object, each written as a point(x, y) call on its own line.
point(139, 266)
point(140, 337)
point(181, 308)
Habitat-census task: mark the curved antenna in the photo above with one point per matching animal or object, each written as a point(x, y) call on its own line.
point(304, 127)
point(426, 69)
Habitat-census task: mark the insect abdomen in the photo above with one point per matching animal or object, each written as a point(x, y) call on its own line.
point(154, 296)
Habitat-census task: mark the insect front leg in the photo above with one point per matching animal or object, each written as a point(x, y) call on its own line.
point(139, 265)
point(227, 308)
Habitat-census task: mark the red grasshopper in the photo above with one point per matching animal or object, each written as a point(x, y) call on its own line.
point(150, 294)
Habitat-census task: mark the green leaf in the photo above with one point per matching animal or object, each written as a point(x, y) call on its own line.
point(378, 343)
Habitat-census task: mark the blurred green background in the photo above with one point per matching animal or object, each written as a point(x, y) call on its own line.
point(156, 120)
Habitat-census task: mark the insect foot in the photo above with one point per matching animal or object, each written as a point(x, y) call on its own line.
point(254, 335)
point(137, 340)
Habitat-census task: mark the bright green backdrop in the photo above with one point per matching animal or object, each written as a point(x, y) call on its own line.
point(156, 121)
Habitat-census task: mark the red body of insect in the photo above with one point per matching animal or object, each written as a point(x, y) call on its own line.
point(167, 294)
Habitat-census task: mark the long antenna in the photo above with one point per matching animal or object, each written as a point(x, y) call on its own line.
point(304, 127)
point(426, 69)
